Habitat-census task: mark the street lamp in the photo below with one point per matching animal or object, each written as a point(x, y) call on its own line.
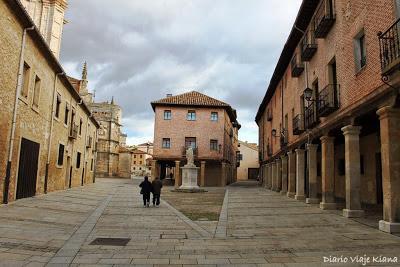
point(308, 94)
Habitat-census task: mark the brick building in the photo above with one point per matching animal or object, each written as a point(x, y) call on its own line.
point(207, 125)
point(329, 121)
point(47, 133)
point(249, 164)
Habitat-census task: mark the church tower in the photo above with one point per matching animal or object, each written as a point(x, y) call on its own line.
point(48, 16)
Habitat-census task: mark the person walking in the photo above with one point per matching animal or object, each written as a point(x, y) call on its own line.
point(146, 188)
point(157, 185)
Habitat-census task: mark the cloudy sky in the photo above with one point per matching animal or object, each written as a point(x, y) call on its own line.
point(140, 50)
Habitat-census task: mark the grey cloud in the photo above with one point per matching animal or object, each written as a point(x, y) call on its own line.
point(140, 50)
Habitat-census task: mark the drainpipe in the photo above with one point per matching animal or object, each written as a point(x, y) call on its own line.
point(95, 156)
point(14, 120)
point(46, 177)
point(85, 148)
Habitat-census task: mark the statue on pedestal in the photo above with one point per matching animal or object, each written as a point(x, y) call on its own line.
point(190, 156)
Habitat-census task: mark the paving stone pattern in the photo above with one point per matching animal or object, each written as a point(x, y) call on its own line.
point(257, 228)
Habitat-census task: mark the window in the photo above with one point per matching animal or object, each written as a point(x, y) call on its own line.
point(134, 168)
point(141, 156)
point(58, 104)
point(214, 116)
point(191, 115)
point(25, 80)
point(78, 160)
point(166, 143)
point(36, 92)
point(66, 115)
point(360, 52)
point(134, 156)
point(134, 162)
point(91, 165)
point(214, 145)
point(190, 142)
point(80, 127)
point(167, 114)
point(60, 160)
point(140, 168)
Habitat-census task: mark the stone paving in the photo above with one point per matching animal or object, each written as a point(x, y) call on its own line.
point(257, 227)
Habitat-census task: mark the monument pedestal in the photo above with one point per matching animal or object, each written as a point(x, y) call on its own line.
point(189, 180)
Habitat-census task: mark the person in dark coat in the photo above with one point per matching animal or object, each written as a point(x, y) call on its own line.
point(157, 185)
point(145, 191)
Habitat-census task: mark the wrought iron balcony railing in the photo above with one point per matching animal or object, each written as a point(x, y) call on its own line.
point(324, 19)
point(389, 43)
point(297, 67)
point(298, 124)
point(308, 46)
point(328, 100)
point(310, 116)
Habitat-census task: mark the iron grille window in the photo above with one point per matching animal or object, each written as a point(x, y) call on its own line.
point(60, 160)
point(190, 142)
point(166, 143)
point(66, 114)
point(191, 115)
point(167, 115)
point(214, 116)
point(214, 145)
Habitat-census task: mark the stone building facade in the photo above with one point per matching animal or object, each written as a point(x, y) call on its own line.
point(249, 163)
point(329, 121)
point(207, 125)
point(48, 16)
point(47, 135)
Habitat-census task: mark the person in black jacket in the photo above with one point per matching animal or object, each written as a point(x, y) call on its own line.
point(145, 191)
point(157, 185)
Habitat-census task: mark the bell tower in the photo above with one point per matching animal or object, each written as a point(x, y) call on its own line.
point(48, 16)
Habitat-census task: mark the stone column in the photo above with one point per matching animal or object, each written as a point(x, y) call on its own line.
point(312, 174)
point(278, 175)
point(273, 176)
point(177, 174)
point(328, 173)
point(284, 161)
point(300, 158)
point(154, 169)
point(353, 176)
point(390, 149)
point(291, 174)
point(202, 173)
point(269, 176)
point(223, 174)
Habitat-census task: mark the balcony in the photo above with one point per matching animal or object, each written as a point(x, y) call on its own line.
point(195, 151)
point(308, 46)
point(389, 43)
point(328, 101)
point(73, 133)
point(324, 19)
point(310, 117)
point(297, 67)
point(269, 150)
point(298, 124)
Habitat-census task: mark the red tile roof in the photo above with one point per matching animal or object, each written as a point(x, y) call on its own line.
point(192, 98)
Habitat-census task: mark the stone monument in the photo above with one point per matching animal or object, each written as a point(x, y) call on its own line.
point(189, 174)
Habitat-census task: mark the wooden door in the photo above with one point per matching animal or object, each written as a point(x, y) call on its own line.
point(27, 170)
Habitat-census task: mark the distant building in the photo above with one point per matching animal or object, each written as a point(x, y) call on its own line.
point(207, 125)
point(110, 136)
point(249, 162)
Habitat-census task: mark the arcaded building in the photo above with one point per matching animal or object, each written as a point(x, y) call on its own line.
point(47, 136)
point(329, 121)
point(207, 125)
